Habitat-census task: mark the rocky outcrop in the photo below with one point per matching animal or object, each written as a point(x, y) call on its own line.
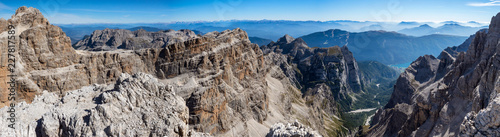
point(112, 39)
point(484, 122)
point(291, 130)
point(136, 105)
point(326, 76)
point(333, 66)
point(339, 63)
point(43, 47)
point(448, 96)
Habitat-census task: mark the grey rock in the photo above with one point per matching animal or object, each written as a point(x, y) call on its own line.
point(291, 130)
point(136, 105)
point(112, 39)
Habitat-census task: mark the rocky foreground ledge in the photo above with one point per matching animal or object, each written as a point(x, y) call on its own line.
point(294, 129)
point(136, 105)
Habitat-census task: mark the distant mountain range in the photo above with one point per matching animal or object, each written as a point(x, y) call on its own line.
point(77, 33)
point(447, 29)
point(152, 29)
point(274, 29)
point(383, 46)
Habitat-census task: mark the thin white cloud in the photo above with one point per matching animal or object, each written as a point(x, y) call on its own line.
point(124, 11)
point(96, 10)
point(4, 7)
point(62, 18)
point(491, 3)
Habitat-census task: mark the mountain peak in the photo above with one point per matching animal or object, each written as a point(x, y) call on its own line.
point(452, 24)
point(425, 25)
point(495, 24)
point(28, 17)
point(25, 10)
point(286, 39)
point(408, 23)
point(300, 41)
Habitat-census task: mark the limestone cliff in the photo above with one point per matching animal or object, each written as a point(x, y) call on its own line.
point(334, 67)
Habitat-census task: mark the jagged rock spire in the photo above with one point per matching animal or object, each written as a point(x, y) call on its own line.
point(495, 24)
point(286, 39)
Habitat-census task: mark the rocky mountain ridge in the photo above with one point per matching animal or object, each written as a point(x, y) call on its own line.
point(383, 46)
point(449, 28)
point(112, 39)
point(334, 66)
point(451, 96)
point(227, 86)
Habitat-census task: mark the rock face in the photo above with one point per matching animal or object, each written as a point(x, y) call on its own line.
point(112, 39)
point(43, 47)
point(334, 66)
point(291, 130)
point(483, 123)
point(448, 96)
point(137, 105)
point(329, 79)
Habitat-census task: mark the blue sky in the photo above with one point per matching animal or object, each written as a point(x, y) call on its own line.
point(153, 11)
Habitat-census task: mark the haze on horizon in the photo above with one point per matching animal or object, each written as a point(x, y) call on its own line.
point(156, 11)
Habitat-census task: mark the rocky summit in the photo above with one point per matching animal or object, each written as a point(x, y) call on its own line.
point(450, 96)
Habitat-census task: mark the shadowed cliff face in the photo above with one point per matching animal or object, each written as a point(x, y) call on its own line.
point(450, 96)
point(319, 64)
point(334, 67)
